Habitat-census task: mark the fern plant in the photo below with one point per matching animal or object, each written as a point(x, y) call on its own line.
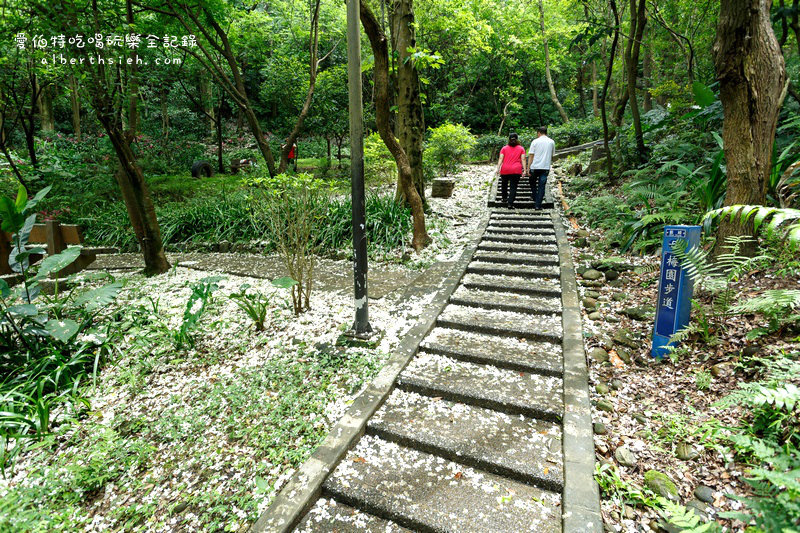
point(775, 219)
point(687, 520)
point(717, 278)
point(776, 305)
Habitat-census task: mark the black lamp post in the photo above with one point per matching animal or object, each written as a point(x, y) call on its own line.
point(361, 327)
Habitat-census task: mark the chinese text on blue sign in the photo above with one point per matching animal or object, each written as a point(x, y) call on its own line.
point(674, 289)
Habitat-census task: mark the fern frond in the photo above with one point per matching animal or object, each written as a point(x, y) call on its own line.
point(770, 303)
point(774, 217)
point(646, 269)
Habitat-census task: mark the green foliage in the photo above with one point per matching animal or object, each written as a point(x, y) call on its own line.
point(774, 219)
point(195, 309)
point(776, 305)
point(702, 379)
point(379, 164)
point(685, 519)
point(575, 132)
point(716, 278)
point(621, 492)
point(449, 146)
point(255, 304)
point(292, 211)
point(488, 146)
point(50, 343)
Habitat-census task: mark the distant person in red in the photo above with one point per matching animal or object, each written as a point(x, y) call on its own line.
point(510, 167)
point(293, 157)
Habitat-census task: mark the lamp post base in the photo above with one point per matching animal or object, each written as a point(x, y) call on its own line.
point(351, 338)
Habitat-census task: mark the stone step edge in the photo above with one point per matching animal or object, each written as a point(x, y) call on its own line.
point(548, 231)
point(546, 483)
point(528, 249)
point(518, 240)
point(502, 306)
point(375, 510)
point(499, 271)
point(531, 291)
point(532, 260)
point(438, 349)
point(501, 332)
point(514, 409)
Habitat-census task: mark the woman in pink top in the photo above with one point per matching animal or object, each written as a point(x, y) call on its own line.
point(509, 167)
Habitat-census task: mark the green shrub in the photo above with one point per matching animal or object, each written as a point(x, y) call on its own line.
point(488, 146)
point(291, 210)
point(49, 344)
point(448, 146)
point(378, 161)
point(576, 132)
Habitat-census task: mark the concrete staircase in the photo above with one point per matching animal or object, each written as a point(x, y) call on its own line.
point(470, 438)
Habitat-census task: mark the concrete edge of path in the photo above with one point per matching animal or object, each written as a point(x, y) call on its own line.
point(305, 486)
point(581, 497)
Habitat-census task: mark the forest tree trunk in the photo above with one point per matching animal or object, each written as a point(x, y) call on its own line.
point(604, 97)
point(638, 21)
point(409, 121)
point(550, 85)
point(380, 51)
point(752, 75)
point(75, 103)
point(207, 101)
point(46, 109)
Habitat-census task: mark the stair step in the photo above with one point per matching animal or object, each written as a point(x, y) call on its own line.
point(513, 214)
point(519, 248)
point(522, 325)
point(536, 287)
point(536, 224)
point(512, 353)
point(507, 301)
point(520, 239)
point(515, 258)
point(425, 492)
point(523, 271)
point(498, 230)
point(508, 391)
point(517, 447)
point(527, 204)
point(328, 515)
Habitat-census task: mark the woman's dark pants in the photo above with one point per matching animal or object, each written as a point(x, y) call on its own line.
point(509, 196)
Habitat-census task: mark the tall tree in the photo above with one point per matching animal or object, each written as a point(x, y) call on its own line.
point(75, 104)
point(380, 52)
point(604, 94)
point(217, 56)
point(409, 121)
point(549, 76)
point(103, 86)
point(638, 21)
point(752, 79)
point(313, 69)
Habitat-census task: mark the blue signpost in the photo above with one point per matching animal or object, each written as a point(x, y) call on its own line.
point(674, 289)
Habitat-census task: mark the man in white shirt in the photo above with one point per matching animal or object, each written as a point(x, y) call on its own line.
point(540, 156)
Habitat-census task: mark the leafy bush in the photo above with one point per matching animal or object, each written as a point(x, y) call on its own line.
point(291, 209)
point(576, 132)
point(219, 217)
point(50, 344)
point(254, 304)
point(768, 439)
point(488, 146)
point(448, 146)
point(378, 161)
point(195, 309)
